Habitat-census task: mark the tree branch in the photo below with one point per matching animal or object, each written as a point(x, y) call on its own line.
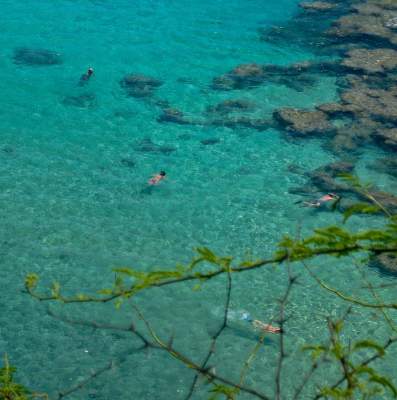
point(80, 385)
point(206, 372)
point(217, 334)
point(282, 354)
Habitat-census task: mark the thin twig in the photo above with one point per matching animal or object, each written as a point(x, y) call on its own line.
point(376, 249)
point(216, 336)
point(345, 297)
point(96, 325)
point(83, 383)
point(306, 379)
point(206, 372)
point(282, 354)
point(377, 298)
point(251, 357)
point(382, 286)
point(363, 364)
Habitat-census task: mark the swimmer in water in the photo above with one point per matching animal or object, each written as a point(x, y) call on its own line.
point(322, 200)
point(260, 325)
point(85, 77)
point(156, 179)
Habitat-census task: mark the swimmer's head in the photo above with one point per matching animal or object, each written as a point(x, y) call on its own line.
point(90, 71)
point(333, 195)
point(162, 173)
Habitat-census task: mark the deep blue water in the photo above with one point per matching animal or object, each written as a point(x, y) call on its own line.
point(72, 208)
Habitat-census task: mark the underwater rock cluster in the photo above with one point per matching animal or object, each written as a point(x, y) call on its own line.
point(366, 36)
point(359, 39)
point(386, 263)
point(371, 21)
point(36, 57)
point(303, 122)
point(317, 5)
point(137, 85)
point(325, 179)
point(148, 146)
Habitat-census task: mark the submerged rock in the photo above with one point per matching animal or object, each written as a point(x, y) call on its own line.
point(311, 30)
point(303, 122)
point(342, 143)
point(388, 200)
point(387, 137)
point(147, 146)
point(296, 76)
point(317, 6)
point(237, 122)
point(173, 115)
point(210, 141)
point(378, 104)
point(387, 165)
point(128, 162)
point(125, 114)
point(371, 61)
point(228, 106)
point(162, 103)
point(295, 169)
point(7, 149)
point(140, 85)
point(36, 57)
point(334, 169)
point(243, 76)
point(333, 109)
point(81, 101)
point(323, 180)
point(369, 21)
point(386, 263)
point(391, 23)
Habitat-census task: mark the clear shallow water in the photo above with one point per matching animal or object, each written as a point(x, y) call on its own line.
point(71, 210)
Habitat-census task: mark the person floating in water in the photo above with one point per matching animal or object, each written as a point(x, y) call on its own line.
point(156, 179)
point(86, 77)
point(322, 200)
point(259, 324)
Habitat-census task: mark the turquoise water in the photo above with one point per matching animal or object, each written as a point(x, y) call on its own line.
point(72, 209)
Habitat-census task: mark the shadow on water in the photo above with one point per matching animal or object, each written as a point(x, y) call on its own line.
point(147, 190)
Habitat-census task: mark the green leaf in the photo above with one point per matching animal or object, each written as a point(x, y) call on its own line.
point(196, 287)
point(369, 344)
point(207, 255)
point(130, 272)
point(55, 289)
point(118, 303)
point(105, 292)
point(317, 350)
point(385, 382)
point(227, 391)
point(31, 281)
point(360, 208)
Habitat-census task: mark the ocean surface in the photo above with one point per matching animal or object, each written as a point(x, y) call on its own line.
point(74, 201)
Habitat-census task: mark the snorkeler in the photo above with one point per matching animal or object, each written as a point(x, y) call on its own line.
point(85, 77)
point(322, 200)
point(259, 324)
point(156, 179)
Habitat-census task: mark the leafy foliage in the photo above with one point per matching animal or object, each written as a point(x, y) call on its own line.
point(362, 381)
point(9, 389)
